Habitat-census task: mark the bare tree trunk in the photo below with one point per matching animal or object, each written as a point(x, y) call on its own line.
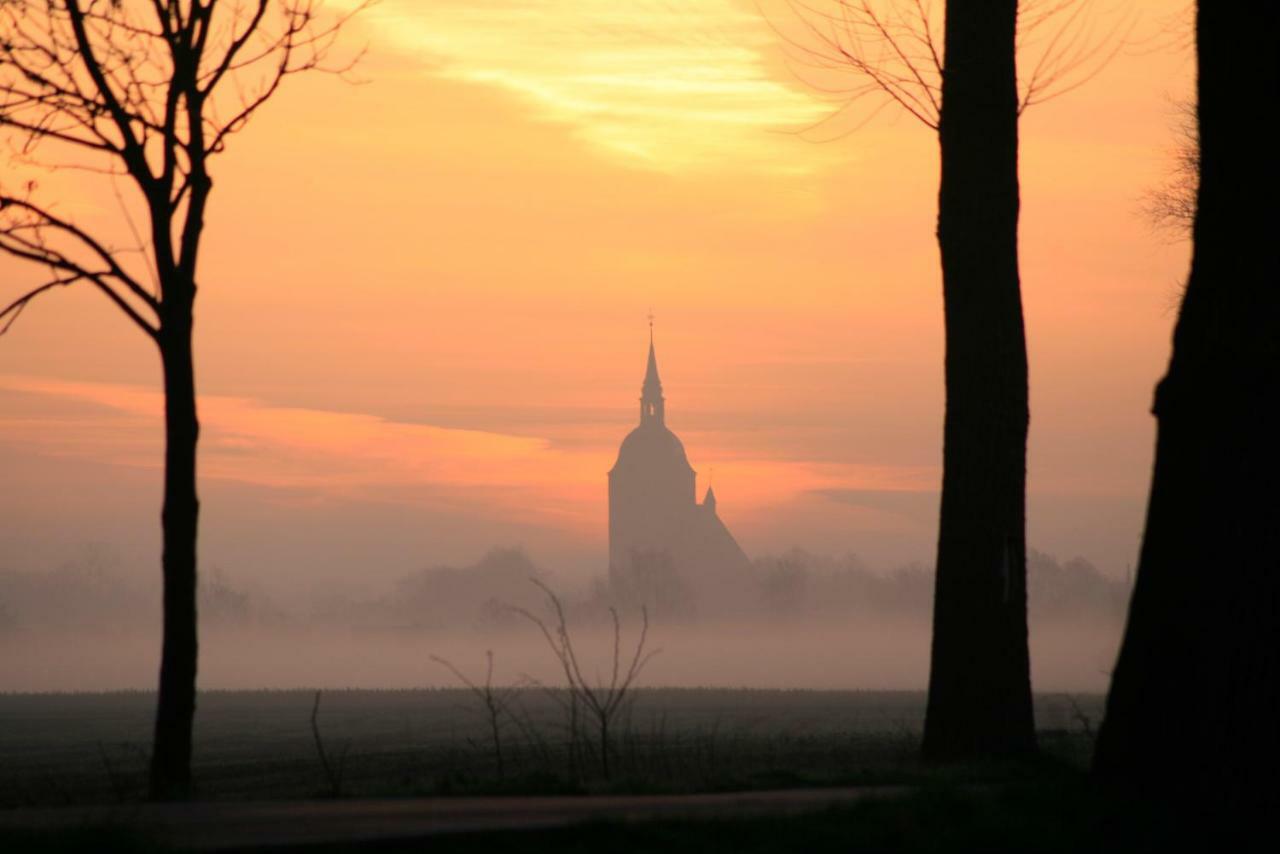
point(1195, 696)
point(979, 681)
point(175, 709)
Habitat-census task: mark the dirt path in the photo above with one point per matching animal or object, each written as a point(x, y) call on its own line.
point(213, 826)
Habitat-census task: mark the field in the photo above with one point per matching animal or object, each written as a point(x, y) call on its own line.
point(92, 748)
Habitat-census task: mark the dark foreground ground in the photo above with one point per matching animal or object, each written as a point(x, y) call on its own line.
point(240, 825)
point(82, 749)
point(1045, 811)
point(414, 770)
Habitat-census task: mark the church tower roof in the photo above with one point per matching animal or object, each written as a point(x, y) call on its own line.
point(652, 384)
point(709, 500)
point(651, 446)
point(652, 404)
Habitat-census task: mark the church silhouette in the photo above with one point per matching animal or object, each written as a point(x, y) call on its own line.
point(666, 550)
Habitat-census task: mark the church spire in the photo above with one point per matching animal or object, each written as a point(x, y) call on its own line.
point(652, 403)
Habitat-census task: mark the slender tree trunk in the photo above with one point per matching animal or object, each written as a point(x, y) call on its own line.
point(176, 705)
point(1195, 695)
point(979, 680)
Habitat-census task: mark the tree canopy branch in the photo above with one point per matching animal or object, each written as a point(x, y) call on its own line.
point(150, 89)
point(908, 66)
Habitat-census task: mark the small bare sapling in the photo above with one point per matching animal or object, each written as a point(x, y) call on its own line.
point(493, 701)
point(601, 701)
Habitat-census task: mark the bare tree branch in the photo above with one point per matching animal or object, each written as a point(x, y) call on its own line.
point(892, 46)
point(10, 313)
point(135, 88)
point(42, 219)
point(1171, 207)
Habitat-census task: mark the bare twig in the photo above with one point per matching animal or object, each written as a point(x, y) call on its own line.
point(1171, 207)
point(1086, 722)
point(333, 768)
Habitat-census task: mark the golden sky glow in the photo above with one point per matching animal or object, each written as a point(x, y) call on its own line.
point(422, 304)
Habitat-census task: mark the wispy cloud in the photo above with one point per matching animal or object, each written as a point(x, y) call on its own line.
point(358, 456)
point(351, 454)
point(675, 85)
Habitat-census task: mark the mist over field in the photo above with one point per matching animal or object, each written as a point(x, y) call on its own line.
point(798, 621)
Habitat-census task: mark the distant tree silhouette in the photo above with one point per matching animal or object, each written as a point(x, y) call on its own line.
point(148, 92)
point(965, 86)
point(1195, 695)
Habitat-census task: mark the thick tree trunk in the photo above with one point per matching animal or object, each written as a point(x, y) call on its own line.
point(1195, 696)
point(175, 709)
point(979, 680)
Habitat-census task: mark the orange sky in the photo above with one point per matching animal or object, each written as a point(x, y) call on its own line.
point(421, 322)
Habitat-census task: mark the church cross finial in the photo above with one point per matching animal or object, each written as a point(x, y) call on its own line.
point(650, 326)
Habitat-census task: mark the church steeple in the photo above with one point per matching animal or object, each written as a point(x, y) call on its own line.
point(652, 403)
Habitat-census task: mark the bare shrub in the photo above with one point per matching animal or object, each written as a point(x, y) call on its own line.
point(600, 702)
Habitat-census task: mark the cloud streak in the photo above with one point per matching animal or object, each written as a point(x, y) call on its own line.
point(358, 456)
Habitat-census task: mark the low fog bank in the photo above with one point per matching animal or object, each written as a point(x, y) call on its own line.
point(799, 621)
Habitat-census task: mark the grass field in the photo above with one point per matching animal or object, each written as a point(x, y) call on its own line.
point(92, 748)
